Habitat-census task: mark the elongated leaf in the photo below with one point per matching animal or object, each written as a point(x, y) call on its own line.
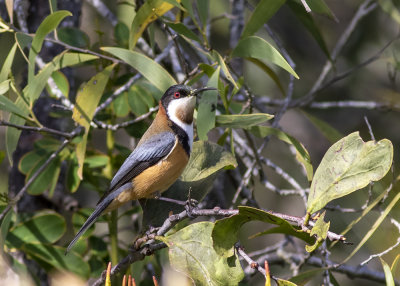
point(8, 105)
point(395, 267)
point(191, 252)
point(388, 274)
point(374, 227)
point(241, 120)
point(304, 277)
point(151, 70)
point(320, 7)
point(42, 228)
point(32, 90)
point(264, 10)
point(203, 7)
point(4, 228)
point(53, 257)
point(224, 68)
point(86, 102)
point(258, 48)
point(330, 133)
point(349, 164)
point(10, 9)
point(269, 72)
point(182, 30)
point(307, 20)
point(225, 232)
point(6, 69)
point(206, 161)
point(207, 106)
point(282, 282)
point(302, 154)
point(49, 24)
point(12, 134)
point(147, 13)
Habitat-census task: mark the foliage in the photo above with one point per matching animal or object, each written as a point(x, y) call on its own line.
point(69, 92)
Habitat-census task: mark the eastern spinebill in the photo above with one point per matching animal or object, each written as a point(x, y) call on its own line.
point(158, 159)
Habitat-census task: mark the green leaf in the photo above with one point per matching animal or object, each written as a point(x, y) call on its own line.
point(207, 106)
point(282, 282)
point(331, 133)
point(269, 72)
point(147, 13)
point(72, 180)
point(349, 165)
point(182, 30)
point(8, 105)
point(32, 90)
point(6, 69)
point(53, 257)
point(225, 232)
point(62, 82)
point(2, 156)
point(73, 37)
point(47, 178)
point(191, 252)
point(258, 48)
point(388, 274)
point(206, 161)
point(203, 7)
point(308, 22)
point(121, 35)
point(320, 231)
point(97, 161)
point(12, 134)
point(151, 70)
point(43, 228)
point(225, 69)
point(320, 7)
point(375, 226)
point(140, 100)
point(395, 268)
point(264, 10)
point(48, 24)
point(4, 228)
point(86, 102)
point(301, 153)
point(241, 120)
point(23, 41)
point(121, 106)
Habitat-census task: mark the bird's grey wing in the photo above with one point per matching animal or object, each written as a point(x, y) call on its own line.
point(144, 156)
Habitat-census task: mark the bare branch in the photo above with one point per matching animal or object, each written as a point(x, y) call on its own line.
point(37, 129)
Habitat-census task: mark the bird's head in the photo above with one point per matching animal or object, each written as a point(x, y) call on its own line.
point(179, 102)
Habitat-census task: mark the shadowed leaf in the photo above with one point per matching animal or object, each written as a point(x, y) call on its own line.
point(191, 252)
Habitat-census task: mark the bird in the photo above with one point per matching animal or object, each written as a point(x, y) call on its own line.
point(158, 159)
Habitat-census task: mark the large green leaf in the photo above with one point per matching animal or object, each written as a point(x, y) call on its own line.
point(258, 48)
point(48, 24)
point(225, 232)
point(330, 133)
point(8, 105)
point(147, 13)
point(224, 68)
point(86, 102)
point(264, 10)
point(241, 120)
point(43, 228)
point(150, 69)
point(206, 160)
point(191, 252)
point(301, 152)
point(207, 107)
point(182, 30)
point(349, 165)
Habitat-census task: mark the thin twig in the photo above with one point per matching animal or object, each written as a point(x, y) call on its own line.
point(37, 129)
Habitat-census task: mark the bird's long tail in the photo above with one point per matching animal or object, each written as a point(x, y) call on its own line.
point(88, 223)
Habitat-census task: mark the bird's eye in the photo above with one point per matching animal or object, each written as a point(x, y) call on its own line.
point(177, 94)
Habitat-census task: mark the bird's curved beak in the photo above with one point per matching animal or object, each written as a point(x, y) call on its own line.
point(195, 92)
